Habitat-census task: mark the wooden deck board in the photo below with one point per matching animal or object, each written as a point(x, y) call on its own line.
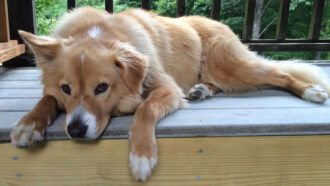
point(266, 112)
point(271, 160)
point(28, 103)
point(11, 52)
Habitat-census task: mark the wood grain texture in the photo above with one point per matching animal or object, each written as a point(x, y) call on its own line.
point(11, 52)
point(6, 45)
point(282, 160)
point(4, 24)
point(253, 102)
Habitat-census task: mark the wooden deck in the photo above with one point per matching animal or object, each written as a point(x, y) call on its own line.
point(266, 112)
point(297, 155)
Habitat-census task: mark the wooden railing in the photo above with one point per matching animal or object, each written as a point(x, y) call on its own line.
point(279, 43)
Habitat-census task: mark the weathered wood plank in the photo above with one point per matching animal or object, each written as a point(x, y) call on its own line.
point(14, 104)
point(282, 22)
point(20, 93)
point(288, 41)
point(4, 24)
point(248, 19)
point(271, 160)
point(180, 8)
point(289, 46)
point(11, 52)
point(254, 102)
point(316, 20)
point(21, 69)
point(20, 84)
point(20, 77)
point(37, 93)
point(6, 45)
point(18, 104)
point(109, 5)
point(216, 122)
point(215, 11)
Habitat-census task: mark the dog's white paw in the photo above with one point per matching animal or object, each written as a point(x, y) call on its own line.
point(315, 94)
point(141, 167)
point(25, 135)
point(199, 92)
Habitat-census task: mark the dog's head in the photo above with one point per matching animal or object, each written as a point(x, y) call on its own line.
point(90, 78)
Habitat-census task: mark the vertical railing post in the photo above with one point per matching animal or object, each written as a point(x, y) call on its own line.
point(145, 4)
point(21, 16)
point(4, 25)
point(215, 11)
point(282, 22)
point(250, 6)
point(71, 4)
point(180, 8)
point(316, 20)
point(109, 5)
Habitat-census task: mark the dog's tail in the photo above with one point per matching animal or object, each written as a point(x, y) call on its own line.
point(307, 73)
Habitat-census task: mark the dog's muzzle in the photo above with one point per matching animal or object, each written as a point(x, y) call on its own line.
point(77, 129)
point(81, 124)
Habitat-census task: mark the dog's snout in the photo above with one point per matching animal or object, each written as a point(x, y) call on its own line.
point(77, 129)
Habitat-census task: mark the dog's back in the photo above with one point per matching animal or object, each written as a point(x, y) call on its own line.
point(190, 49)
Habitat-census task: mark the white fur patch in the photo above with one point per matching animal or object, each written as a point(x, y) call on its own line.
point(141, 167)
point(315, 94)
point(94, 31)
point(25, 135)
point(202, 89)
point(87, 118)
point(82, 57)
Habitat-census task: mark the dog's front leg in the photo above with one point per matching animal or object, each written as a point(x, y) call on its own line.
point(31, 128)
point(143, 155)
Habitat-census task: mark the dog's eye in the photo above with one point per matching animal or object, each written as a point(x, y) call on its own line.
point(102, 87)
point(66, 89)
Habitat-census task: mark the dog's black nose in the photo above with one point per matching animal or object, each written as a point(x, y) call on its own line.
point(76, 129)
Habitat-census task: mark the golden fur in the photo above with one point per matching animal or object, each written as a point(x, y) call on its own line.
point(149, 62)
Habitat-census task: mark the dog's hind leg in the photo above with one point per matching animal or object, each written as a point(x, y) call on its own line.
point(235, 68)
point(308, 91)
point(202, 91)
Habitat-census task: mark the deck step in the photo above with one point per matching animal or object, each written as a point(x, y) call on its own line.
point(11, 49)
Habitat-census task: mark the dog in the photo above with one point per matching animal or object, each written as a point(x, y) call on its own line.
point(96, 65)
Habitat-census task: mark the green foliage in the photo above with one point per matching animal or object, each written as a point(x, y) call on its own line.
point(232, 14)
point(99, 4)
point(47, 13)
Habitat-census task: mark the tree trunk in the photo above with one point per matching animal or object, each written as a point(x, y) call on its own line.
point(257, 19)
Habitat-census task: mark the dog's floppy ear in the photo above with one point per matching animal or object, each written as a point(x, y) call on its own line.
point(44, 48)
point(133, 67)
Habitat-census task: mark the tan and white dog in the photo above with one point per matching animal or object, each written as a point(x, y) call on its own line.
point(96, 65)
